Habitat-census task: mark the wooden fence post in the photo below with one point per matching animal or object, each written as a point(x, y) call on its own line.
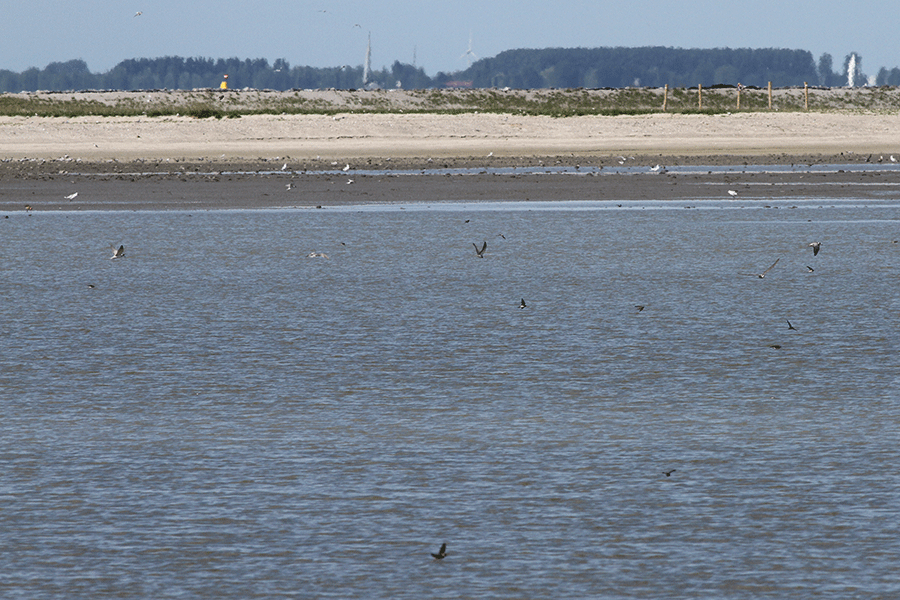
point(700, 96)
point(739, 96)
point(806, 95)
point(770, 95)
point(665, 97)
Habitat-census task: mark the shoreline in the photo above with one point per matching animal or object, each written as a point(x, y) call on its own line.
point(213, 190)
point(182, 163)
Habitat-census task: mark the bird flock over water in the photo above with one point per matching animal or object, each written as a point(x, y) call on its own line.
point(118, 252)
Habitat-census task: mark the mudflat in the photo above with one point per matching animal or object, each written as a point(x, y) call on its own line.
point(299, 160)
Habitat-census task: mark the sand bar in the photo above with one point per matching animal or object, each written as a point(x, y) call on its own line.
point(345, 136)
point(186, 163)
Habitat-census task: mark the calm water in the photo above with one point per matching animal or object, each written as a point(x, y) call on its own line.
point(222, 417)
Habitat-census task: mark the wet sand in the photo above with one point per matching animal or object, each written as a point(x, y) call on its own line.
point(188, 164)
point(205, 191)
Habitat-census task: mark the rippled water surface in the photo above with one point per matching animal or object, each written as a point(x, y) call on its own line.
point(222, 417)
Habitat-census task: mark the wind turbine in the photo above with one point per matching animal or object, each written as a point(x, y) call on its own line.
point(367, 69)
point(468, 54)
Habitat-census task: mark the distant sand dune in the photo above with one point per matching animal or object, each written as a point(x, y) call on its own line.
point(434, 135)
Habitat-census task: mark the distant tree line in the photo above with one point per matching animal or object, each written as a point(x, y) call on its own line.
point(546, 68)
point(658, 66)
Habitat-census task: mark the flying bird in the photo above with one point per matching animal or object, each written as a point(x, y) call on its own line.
point(639, 307)
point(117, 252)
point(775, 346)
point(441, 553)
point(522, 303)
point(480, 253)
point(763, 274)
point(809, 269)
point(815, 246)
point(791, 327)
point(669, 473)
point(138, 13)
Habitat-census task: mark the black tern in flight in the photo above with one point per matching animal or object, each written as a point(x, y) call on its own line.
point(639, 307)
point(441, 553)
point(480, 253)
point(669, 473)
point(117, 252)
point(815, 246)
point(763, 274)
point(522, 303)
point(809, 269)
point(791, 327)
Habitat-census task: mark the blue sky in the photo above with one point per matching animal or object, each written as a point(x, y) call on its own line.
point(433, 34)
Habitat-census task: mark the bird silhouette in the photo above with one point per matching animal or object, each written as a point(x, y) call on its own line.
point(669, 473)
point(763, 274)
point(639, 307)
point(480, 253)
point(117, 252)
point(791, 327)
point(441, 553)
point(815, 246)
point(809, 269)
point(522, 303)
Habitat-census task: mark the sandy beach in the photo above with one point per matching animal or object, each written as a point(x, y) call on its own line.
point(208, 163)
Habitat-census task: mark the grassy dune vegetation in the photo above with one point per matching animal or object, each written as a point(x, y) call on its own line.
point(214, 103)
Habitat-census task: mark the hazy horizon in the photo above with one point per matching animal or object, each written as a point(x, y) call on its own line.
point(434, 36)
